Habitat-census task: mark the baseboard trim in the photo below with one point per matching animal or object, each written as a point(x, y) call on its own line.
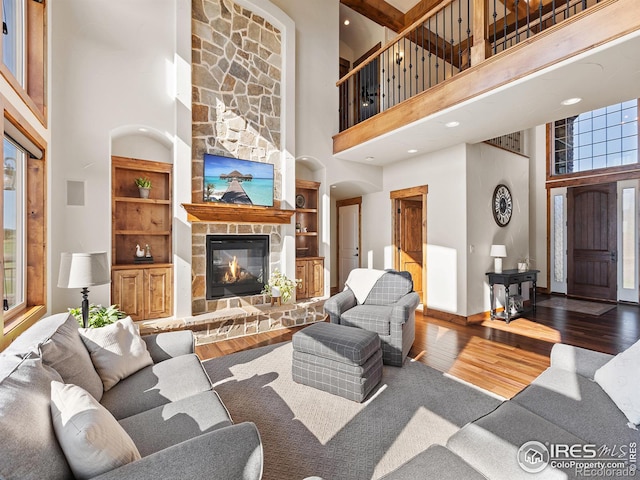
point(460, 319)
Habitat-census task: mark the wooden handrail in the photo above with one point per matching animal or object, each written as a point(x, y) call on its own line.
point(397, 38)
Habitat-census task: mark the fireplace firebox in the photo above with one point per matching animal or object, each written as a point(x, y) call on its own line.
point(236, 265)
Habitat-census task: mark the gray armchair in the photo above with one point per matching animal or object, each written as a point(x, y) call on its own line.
point(389, 310)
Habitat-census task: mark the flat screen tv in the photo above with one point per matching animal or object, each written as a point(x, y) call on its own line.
point(231, 180)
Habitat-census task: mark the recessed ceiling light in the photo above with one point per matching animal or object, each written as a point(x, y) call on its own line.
point(413, 150)
point(571, 101)
point(452, 124)
point(347, 22)
point(142, 129)
point(333, 186)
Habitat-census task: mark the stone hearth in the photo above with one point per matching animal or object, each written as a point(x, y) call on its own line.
point(237, 317)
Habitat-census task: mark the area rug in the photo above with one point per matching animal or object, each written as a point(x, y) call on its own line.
point(580, 306)
point(308, 432)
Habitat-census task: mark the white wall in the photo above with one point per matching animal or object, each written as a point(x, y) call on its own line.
point(111, 65)
point(488, 166)
point(537, 147)
point(445, 174)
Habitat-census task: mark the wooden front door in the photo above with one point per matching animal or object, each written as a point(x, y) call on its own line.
point(592, 242)
point(410, 240)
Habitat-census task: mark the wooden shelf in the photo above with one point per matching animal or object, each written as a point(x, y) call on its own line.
point(217, 212)
point(307, 234)
point(307, 210)
point(155, 201)
point(130, 266)
point(142, 232)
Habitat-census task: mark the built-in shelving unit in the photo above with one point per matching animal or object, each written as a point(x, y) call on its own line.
point(143, 290)
point(309, 266)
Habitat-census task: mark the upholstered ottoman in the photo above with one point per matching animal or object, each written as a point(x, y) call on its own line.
point(342, 360)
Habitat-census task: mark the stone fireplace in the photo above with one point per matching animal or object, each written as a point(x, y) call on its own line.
point(236, 265)
point(238, 83)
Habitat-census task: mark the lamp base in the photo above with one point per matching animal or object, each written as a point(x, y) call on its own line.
point(497, 265)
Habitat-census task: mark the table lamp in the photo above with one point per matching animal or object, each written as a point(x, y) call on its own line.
point(83, 270)
point(498, 252)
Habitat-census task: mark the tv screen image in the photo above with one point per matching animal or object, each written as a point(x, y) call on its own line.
point(231, 180)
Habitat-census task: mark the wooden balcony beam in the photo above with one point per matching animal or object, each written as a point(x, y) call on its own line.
point(378, 11)
point(419, 10)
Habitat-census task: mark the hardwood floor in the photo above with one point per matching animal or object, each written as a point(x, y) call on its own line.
point(498, 357)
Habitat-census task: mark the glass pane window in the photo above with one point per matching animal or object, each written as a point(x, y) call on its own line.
point(13, 41)
point(14, 226)
point(628, 238)
point(603, 138)
point(558, 238)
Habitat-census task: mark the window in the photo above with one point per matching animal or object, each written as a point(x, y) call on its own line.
point(603, 138)
point(14, 226)
point(13, 40)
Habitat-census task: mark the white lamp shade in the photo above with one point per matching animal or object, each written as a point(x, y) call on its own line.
point(79, 270)
point(498, 251)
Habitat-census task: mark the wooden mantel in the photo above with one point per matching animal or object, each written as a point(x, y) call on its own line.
point(222, 212)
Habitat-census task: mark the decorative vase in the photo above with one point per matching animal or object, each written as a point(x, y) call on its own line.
point(144, 192)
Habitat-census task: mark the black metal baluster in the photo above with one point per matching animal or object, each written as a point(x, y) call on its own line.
point(459, 35)
point(429, 55)
point(469, 34)
point(495, 28)
point(404, 67)
point(437, 58)
point(417, 67)
point(422, 44)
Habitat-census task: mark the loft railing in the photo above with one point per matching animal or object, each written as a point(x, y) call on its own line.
point(511, 141)
point(444, 42)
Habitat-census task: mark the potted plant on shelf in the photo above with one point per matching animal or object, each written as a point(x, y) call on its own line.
point(99, 316)
point(280, 285)
point(144, 186)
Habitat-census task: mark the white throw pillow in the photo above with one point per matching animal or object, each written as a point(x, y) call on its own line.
point(117, 350)
point(91, 438)
point(620, 379)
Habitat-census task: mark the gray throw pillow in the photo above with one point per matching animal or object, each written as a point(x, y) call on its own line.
point(92, 440)
point(29, 448)
point(117, 350)
point(65, 352)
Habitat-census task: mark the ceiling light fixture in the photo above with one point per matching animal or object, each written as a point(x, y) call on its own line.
point(347, 22)
point(571, 101)
point(452, 124)
point(413, 150)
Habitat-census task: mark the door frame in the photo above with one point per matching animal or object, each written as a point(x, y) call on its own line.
point(406, 193)
point(345, 203)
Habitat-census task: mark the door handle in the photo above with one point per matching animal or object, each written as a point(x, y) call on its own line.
point(614, 256)
point(356, 255)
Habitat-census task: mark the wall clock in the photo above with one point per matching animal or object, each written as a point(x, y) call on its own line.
point(300, 201)
point(502, 205)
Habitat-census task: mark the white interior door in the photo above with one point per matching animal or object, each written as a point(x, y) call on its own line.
point(349, 250)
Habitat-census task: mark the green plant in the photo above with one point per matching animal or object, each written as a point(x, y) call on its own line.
point(143, 182)
point(99, 316)
point(286, 285)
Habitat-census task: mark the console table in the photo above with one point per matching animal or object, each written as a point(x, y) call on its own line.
point(507, 278)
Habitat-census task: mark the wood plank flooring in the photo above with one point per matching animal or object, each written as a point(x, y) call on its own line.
point(498, 357)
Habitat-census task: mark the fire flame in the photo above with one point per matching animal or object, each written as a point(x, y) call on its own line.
point(234, 268)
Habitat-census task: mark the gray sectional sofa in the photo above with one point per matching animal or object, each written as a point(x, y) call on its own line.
point(176, 420)
point(562, 406)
